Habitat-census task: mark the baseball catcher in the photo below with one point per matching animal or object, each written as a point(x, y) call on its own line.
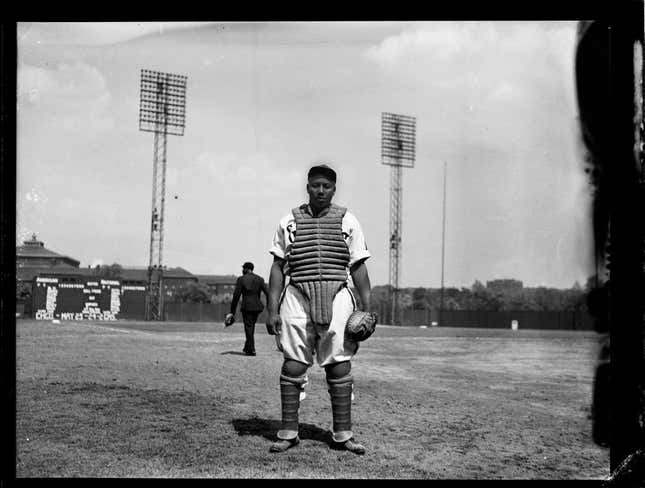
point(311, 309)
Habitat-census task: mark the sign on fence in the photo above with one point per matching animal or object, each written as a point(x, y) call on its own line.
point(94, 299)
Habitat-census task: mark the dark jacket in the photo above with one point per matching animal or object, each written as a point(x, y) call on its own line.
point(249, 286)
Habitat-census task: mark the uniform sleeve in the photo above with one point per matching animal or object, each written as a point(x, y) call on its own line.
point(278, 245)
point(355, 239)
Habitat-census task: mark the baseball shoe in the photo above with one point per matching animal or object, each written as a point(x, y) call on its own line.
point(249, 353)
point(352, 446)
point(282, 445)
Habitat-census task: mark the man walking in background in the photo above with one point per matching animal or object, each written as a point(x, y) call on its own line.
point(248, 286)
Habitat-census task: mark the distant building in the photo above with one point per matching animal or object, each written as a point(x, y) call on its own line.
point(220, 287)
point(33, 253)
point(33, 259)
point(506, 286)
point(173, 278)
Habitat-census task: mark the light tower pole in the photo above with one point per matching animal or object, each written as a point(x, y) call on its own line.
point(162, 110)
point(398, 133)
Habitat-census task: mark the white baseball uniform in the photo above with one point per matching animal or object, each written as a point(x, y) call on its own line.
point(301, 339)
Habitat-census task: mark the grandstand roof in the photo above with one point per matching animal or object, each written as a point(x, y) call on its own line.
point(36, 249)
point(217, 279)
point(28, 273)
point(140, 273)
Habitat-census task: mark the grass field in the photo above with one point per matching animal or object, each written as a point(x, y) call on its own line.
point(136, 399)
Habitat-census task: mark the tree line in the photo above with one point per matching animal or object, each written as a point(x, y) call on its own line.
point(495, 295)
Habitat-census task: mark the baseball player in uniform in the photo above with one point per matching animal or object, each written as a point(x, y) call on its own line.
point(316, 248)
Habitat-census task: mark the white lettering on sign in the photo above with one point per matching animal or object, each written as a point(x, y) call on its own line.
point(95, 314)
point(44, 315)
point(115, 301)
point(109, 282)
point(133, 288)
point(50, 301)
point(46, 280)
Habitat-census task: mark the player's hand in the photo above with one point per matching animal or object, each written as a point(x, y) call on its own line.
point(274, 324)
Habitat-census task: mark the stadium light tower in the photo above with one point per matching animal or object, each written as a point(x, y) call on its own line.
point(398, 146)
point(162, 110)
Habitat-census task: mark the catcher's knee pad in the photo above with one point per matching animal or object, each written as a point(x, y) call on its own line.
point(338, 370)
point(293, 368)
point(340, 392)
point(290, 389)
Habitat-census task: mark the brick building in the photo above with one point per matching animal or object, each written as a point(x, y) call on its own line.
point(33, 259)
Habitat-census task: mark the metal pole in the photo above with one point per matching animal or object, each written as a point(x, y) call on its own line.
point(443, 242)
point(164, 148)
point(395, 238)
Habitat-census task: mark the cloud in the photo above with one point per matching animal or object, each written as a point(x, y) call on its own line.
point(444, 39)
point(244, 171)
point(506, 91)
point(489, 49)
point(72, 95)
point(93, 33)
point(507, 84)
point(230, 169)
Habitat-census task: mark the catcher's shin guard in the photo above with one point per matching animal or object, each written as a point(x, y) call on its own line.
point(290, 389)
point(340, 391)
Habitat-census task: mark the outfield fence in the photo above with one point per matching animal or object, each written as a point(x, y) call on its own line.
point(133, 309)
point(524, 319)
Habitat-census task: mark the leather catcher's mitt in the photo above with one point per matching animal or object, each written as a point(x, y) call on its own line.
point(229, 320)
point(360, 325)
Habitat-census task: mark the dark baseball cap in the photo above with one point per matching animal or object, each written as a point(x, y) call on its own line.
point(322, 170)
point(248, 265)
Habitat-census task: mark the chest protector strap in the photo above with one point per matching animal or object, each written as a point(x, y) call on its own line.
point(319, 259)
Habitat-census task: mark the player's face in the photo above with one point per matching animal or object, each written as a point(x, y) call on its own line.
point(321, 190)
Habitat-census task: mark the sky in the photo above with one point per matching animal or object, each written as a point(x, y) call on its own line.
point(494, 101)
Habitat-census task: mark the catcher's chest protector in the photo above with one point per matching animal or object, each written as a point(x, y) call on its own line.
point(319, 259)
